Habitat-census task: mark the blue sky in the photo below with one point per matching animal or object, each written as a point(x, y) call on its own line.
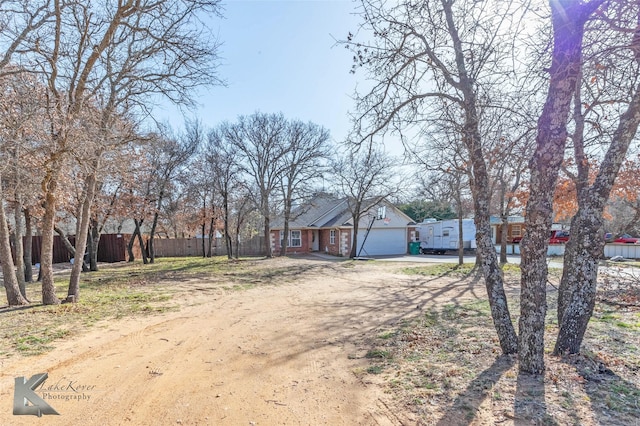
point(280, 56)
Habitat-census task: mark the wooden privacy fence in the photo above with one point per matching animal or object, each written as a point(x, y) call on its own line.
point(113, 248)
point(178, 247)
point(182, 247)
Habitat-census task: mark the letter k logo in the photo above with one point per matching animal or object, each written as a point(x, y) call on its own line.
point(24, 391)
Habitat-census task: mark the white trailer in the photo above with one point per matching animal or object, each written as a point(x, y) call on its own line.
point(438, 236)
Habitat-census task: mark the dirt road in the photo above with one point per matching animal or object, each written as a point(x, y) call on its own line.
point(284, 354)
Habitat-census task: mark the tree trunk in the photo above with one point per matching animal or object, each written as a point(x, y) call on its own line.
point(504, 228)
point(28, 246)
point(494, 284)
point(229, 244)
point(212, 235)
point(94, 239)
point(479, 181)
point(227, 218)
point(458, 200)
point(90, 250)
point(19, 249)
point(138, 233)
point(70, 248)
point(568, 28)
point(152, 233)
point(73, 293)
point(132, 240)
point(354, 242)
point(287, 218)
point(460, 241)
point(486, 251)
point(494, 281)
point(204, 228)
point(267, 236)
point(14, 295)
point(46, 252)
point(237, 237)
point(285, 239)
point(577, 292)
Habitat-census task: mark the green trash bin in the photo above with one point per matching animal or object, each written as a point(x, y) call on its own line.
point(414, 247)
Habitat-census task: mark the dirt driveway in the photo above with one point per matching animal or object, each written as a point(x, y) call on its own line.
point(283, 354)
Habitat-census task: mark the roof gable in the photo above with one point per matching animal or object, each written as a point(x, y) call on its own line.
point(325, 211)
point(320, 210)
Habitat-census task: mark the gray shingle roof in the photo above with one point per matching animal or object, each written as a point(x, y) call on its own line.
point(323, 210)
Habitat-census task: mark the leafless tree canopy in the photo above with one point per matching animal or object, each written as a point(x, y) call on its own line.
point(366, 177)
point(97, 64)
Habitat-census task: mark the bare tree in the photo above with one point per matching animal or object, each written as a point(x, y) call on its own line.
point(509, 172)
point(201, 197)
point(21, 127)
point(20, 25)
point(568, 20)
point(242, 207)
point(427, 56)
point(133, 48)
point(450, 168)
point(14, 295)
point(115, 181)
point(302, 164)
point(134, 38)
point(168, 158)
point(223, 161)
point(261, 138)
point(611, 37)
point(366, 178)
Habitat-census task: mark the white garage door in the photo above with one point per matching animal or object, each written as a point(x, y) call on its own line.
point(382, 242)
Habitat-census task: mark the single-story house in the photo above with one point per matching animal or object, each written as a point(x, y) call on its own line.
point(324, 224)
point(514, 229)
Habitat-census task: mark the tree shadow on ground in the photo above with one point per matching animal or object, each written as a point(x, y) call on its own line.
point(466, 406)
point(8, 309)
point(614, 400)
point(529, 403)
point(358, 321)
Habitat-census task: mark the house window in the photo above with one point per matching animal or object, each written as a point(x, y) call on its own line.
point(445, 233)
point(516, 231)
point(295, 238)
point(332, 237)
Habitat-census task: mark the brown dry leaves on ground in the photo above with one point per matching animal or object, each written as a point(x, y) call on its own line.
point(314, 341)
point(445, 367)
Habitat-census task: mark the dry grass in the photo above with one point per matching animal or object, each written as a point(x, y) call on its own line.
point(441, 367)
point(117, 291)
point(445, 368)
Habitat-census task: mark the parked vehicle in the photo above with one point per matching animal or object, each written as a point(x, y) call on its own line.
point(439, 236)
point(558, 236)
point(627, 239)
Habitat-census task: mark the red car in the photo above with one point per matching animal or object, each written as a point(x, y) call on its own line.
point(556, 237)
point(627, 239)
point(559, 237)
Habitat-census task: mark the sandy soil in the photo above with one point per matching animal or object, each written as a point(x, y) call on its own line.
point(272, 355)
